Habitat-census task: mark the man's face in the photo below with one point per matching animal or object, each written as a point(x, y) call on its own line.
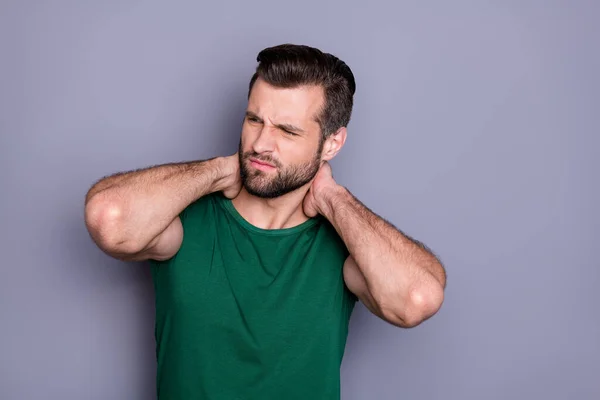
point(281, 142)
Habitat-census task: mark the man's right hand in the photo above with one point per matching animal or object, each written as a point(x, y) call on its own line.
point(135, 215)
point(231, 183)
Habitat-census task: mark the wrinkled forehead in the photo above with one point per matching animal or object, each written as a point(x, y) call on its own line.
point(298, 105)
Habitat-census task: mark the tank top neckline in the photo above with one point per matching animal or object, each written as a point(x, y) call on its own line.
point(228, 205)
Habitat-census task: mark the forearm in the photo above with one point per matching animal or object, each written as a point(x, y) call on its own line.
point(130, 209)
point(399, 271)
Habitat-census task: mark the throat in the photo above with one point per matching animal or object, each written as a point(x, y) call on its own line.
point(279, 213)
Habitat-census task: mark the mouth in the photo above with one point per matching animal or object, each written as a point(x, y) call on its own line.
point(260, 164)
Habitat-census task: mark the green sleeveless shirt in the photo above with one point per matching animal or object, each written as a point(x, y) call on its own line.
point(248, 313)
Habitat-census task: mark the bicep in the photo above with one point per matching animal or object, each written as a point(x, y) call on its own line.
point(357, 284)
point(164, 246)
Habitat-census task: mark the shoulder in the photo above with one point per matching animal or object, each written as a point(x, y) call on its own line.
point(332, 237)
point(198, 221)
point(201, 208)
point(341, 253)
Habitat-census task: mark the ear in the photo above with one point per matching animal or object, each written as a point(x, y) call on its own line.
point(333, 144)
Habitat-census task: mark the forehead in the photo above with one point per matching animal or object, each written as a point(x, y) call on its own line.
point(300, 104)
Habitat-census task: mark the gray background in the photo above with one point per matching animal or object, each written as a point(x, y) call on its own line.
point(475, 130)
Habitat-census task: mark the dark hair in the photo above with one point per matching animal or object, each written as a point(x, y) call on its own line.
point(290, 66)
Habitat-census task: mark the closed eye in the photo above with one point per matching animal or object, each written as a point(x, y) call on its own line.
point(290, 132)
point(253, 119)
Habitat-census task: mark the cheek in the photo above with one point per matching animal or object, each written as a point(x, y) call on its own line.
point(248, 137)
point(295, 152)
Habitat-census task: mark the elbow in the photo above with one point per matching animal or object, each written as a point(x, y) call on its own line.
point(104, 219)
point(425, 302)
point(421, 303)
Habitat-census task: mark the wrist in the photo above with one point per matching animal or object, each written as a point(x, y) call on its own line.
point(330, 197)
point(222, 172)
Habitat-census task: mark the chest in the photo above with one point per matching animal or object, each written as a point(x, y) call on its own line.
point(274, 291)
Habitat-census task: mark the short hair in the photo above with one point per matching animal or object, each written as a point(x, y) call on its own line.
point(291, 66)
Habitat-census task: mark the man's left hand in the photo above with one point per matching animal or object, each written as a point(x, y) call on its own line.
point(322, 184)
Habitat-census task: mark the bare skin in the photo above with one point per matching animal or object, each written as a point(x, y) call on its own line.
point(396, 277)
point(134, 216)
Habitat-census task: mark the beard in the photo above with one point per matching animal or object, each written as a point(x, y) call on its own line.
point(286, 179)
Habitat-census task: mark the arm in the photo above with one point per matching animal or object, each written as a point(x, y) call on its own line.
point(134, 215)
point(395, 276)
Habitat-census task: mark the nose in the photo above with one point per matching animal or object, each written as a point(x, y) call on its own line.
point(265, 142)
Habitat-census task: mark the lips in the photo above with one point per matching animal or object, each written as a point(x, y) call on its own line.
point(254, 160)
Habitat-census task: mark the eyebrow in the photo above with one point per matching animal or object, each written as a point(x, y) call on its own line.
point(287, 127)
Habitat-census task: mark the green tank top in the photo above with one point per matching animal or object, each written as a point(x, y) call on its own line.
point(248, 313)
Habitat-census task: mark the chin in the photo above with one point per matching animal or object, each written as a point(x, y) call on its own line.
point(264, 189)
point(262, 194)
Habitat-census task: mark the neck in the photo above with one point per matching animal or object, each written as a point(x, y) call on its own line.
point(282, 212)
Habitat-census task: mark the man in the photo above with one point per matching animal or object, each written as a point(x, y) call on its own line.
point(258, 257)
